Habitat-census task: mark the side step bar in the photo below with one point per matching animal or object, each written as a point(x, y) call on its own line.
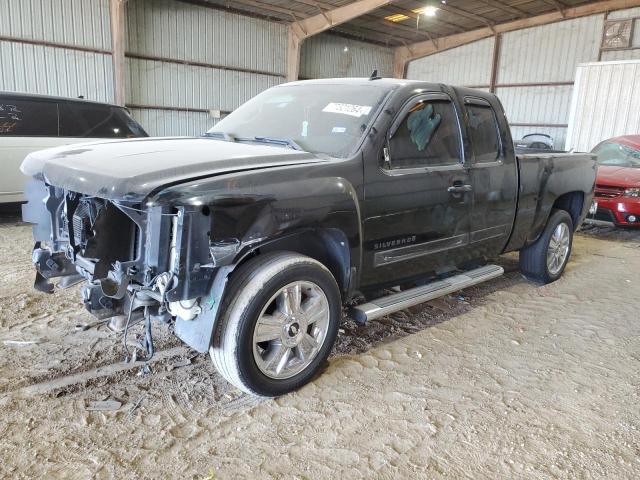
point(408, 298)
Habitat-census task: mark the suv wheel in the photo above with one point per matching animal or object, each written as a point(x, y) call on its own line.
point(280, 320)
point(546, 258)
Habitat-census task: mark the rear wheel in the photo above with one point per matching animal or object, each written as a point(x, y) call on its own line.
point(279, 324)
point(546, 258)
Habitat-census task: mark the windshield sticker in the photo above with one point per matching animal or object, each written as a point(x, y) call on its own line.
point(305, 129)
point(339, 129)
point(347, 109)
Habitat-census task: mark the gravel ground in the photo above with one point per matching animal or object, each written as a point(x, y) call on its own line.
point(506, 380)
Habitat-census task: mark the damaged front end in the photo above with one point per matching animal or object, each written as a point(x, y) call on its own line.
point(138, 261)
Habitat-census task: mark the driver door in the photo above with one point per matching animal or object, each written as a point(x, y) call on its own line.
point(417, 195)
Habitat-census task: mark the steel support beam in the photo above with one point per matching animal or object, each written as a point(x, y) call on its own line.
point(117, 17)
point(407, 53)
point(302, 29)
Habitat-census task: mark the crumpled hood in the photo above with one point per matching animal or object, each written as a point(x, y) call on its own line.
point(131, 169)
point(618, 176)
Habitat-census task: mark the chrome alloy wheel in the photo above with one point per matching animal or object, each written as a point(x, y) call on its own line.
point(291, 330)
point(558, 249)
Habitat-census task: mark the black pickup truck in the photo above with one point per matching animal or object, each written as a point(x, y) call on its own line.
point(311, 196)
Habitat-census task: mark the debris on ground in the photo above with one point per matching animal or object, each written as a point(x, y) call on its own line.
point(103, 405)
point(19, 343)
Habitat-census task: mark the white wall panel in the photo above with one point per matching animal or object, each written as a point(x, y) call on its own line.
point(83, 23)
point(549, 53)
point(164, 123)
point(167, 28)
point(331, 56)
point(186, 86)
point(605, 103)
point(544, 104)
point(237, 57)
point(28, 67)
point(468, 65)
point(55, 71)
point(611, 55)
point(625, 13)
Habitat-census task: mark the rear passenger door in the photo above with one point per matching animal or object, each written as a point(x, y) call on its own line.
point(493, 175)
point(26, 125)
point(94, 120)
point(417, 194)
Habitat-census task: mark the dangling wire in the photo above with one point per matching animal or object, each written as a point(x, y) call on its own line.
point(126, 326)
point(148, 339)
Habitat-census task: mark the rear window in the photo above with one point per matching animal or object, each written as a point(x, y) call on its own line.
point(483, 128)
point(97, 121)
point(28, 118)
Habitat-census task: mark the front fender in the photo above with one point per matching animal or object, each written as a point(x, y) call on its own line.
point(250, 209)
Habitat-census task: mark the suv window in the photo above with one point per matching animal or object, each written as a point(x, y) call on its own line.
point(484, 133)
point(28, 118)
point(100, 121)
point(427, 137)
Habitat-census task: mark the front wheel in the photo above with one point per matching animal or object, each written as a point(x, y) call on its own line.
point(279, 323)
point(546, 258)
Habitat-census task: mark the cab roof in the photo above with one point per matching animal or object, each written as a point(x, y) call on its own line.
point(52, 98)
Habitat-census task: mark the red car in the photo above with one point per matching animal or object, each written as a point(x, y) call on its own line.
point(618, 182)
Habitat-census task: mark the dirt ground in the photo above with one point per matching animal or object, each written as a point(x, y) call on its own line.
point(506, 380)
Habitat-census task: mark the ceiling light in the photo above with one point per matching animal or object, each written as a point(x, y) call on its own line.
point(430, 11)
point(398, 17)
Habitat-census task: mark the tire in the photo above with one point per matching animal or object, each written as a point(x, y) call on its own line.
point(534, 262)
point(261, 303)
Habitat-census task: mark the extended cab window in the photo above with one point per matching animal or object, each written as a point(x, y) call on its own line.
point(483, 130)
point(428, 136)
point(28, 118)
point(98, 121)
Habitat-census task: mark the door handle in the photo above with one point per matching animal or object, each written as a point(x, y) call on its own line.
point(460, 188)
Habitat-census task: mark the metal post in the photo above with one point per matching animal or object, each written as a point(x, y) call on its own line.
point(117, 16)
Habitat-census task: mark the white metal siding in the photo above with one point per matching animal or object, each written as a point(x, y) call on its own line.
point(32, 68)
point(55, 71)
point(83, 23)
point(468, 65)
point(176, 30)
point(626, 13)
point(542, 104)
point(613, 55)
point(549, 53)
point(237, 56)
point(605, 103)
point(330, 56)
point(166, 84)
point(164, 123)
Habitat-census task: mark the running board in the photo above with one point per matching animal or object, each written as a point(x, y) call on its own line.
point(415, 296)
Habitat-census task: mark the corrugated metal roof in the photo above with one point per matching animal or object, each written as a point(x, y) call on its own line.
point(454, 16)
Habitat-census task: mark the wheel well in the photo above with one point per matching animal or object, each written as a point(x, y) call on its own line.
point(572, 203)
point(328, 246)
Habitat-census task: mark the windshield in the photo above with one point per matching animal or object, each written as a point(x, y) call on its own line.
point(319, 118)
point(617, 155)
